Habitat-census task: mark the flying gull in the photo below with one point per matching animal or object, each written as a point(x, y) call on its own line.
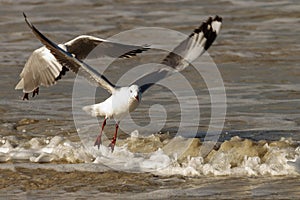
point(124, 100)
point(43, 69)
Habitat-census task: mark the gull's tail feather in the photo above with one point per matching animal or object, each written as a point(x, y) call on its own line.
point(20, 85)
point(92, 110)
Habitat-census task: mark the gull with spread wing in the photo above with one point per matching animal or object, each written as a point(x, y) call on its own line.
point(42, 68)
point(124, 100)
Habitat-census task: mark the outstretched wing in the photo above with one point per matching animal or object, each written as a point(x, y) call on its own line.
point(185, 53)
point(82, 46)
point(42, 68)
point(66, 59)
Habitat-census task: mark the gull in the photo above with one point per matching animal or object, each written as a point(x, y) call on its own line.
point(124, 100)
point(42, 68)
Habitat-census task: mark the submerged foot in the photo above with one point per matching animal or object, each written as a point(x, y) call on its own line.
point(98, 141)
point(112, 144)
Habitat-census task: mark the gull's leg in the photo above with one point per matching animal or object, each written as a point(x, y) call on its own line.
point(113, 141)
point(98, 140)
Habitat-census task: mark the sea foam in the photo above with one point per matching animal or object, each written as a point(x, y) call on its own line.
point(237, 156)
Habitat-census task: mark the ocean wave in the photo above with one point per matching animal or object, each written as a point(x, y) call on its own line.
point(158, 154)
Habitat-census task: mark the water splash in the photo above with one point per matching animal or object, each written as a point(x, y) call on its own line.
point(234, 157)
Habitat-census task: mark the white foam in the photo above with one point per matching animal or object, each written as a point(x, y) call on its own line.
point(156, 161)
point(295, 163)
point(235, 157)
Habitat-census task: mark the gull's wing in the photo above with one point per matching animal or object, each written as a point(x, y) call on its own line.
point(82, 45)
point(66, 59)
point(185, 53)
point(42, 68)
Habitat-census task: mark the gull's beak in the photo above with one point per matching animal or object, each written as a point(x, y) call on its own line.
point(137, 97)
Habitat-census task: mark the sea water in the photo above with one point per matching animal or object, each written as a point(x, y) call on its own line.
point(44, 155)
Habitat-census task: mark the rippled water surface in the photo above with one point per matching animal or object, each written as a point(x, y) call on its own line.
point(257, 54)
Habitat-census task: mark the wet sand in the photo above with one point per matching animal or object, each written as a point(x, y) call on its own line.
point(49, 184)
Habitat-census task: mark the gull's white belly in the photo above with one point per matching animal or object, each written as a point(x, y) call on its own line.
point(116, 106)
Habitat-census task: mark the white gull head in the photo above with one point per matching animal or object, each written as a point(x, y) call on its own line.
point(135, 97)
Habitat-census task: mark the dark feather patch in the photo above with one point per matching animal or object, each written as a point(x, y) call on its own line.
point(209, 33)
point(62, 73)
point(134, 52)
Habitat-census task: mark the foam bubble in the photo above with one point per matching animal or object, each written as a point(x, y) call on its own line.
point(237, 156)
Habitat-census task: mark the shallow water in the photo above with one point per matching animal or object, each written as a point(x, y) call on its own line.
point(257, 54)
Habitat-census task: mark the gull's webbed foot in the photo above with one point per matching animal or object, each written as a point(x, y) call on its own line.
point(25, 97)
point(35, 92)
point(98, 141)
point(112, 144)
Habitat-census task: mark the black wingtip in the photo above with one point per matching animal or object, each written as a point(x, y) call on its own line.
point(208, 30)
point(25, 17)
point(27, 22)
point(218, 18)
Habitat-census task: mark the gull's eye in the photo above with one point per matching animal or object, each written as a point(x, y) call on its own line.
point(130, 91)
